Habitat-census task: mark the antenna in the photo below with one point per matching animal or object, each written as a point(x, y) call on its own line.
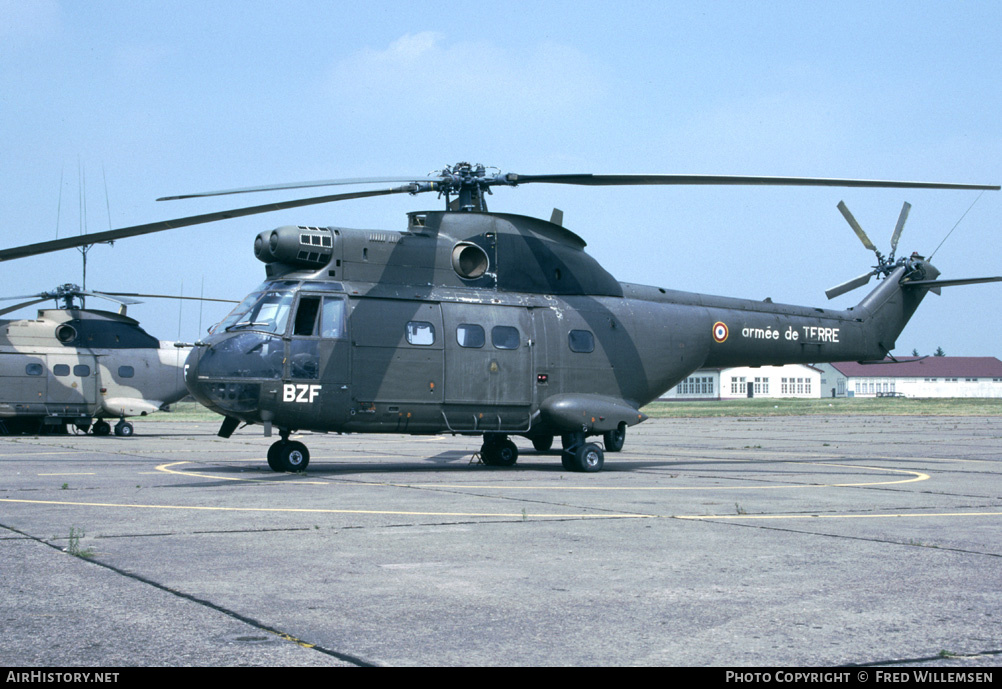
point(955, 225)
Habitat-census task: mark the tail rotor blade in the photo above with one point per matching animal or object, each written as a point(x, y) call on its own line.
point(855, 226)
point(848, 286)
point(900, 226)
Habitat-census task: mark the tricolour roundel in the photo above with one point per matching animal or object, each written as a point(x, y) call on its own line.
point(719, 331)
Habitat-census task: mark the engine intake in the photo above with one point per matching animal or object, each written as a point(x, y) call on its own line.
point(308, 247)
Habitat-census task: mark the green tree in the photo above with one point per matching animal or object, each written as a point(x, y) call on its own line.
point(939, 352)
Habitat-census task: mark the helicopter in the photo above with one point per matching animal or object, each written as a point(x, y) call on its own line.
point(495, 325)
point(78, 367)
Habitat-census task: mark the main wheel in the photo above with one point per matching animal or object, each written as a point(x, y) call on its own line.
point(614, 439)
point(124, 429)
point(101, 428)
point(588, 458)
point(499, 452)
point(542, 443)
point(288, 455)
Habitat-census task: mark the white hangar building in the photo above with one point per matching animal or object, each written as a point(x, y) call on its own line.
point(933, 376)
point(792, 380)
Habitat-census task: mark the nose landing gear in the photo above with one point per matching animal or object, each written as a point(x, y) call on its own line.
point(288, 455)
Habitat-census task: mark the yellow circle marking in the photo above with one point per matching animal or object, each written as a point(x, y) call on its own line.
point(914, 476)
point(91, 473)
point(836, 516)
point(168, 468)
point(310, 510)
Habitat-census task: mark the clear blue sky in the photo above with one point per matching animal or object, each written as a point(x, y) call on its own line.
point(172, 97)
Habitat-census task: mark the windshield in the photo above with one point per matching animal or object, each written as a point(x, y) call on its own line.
point(267, 311)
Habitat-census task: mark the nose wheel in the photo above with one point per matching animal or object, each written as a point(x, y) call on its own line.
point(288, 455)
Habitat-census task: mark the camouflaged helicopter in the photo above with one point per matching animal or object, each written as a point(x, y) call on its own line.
point(496, 325)
point(78, 367)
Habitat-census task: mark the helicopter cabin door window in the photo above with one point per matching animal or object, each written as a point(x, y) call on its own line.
point(582, 341)
point(304, 353)
point(318, 320)
point(505, 337)
point(420, 333)
point(470, 335)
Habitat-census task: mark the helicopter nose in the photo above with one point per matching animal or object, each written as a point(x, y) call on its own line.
point(211, 369)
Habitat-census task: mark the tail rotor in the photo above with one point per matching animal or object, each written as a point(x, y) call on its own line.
point(884, 264)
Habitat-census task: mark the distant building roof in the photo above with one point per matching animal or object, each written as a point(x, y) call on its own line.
point(925, 367)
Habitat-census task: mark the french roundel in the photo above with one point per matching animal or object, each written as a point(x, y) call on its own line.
point(719, 331)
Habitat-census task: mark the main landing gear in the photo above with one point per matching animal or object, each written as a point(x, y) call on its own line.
point(498, 450)
point(580, 455)
point(288, 455)
point(123, 429)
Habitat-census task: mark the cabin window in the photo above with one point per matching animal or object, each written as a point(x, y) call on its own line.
point(126, 372)
point(504, 337)
point(60, 370)
point(581, 341)
point(34, 369)
point(81, 370)
point(470, 335)
point(420, 333)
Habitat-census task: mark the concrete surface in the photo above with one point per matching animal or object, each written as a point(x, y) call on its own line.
point(791, 541)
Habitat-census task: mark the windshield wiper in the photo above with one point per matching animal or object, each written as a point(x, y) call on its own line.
point(246, 324)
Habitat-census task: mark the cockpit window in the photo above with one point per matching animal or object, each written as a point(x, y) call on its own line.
point(266, 308)
point(306, 316)
point(268, 313)
point(332, 318)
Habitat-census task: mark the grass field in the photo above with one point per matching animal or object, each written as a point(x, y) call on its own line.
point(883, 406)
point(886, 406)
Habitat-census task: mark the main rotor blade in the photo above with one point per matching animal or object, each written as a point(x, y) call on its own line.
point(855, 226)
point(625, 180)
point(166, 296)
point(293, 185)
point(848, 286)
point(112, 235)
point(9, 309)
point(110, 297)
point(949, 283)
point(900, 226)
point(43, 295)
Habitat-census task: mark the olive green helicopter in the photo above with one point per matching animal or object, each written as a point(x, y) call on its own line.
point(496, 325)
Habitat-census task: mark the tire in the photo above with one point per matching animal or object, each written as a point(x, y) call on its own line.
point(542, 443)
point(124, 429)
point(292, 456)
point(588, 458)
point(614, 440)
point(273, 453)
point(499, 453)
point(101, 428)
